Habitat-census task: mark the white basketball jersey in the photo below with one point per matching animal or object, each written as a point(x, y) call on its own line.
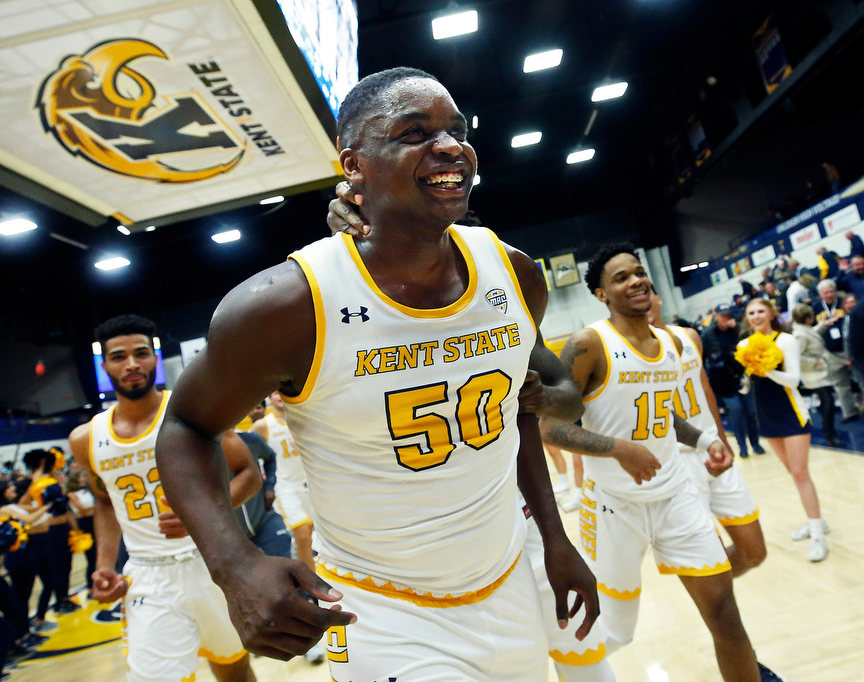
point(635, 402)
point(407, 421)
point(690, 401)
point(127, 467)
point(289, 467)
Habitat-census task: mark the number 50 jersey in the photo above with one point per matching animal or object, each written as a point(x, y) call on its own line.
point(127, 467)
point(636, 403)
point(407, 422)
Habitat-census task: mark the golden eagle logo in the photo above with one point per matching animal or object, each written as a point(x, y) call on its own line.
point(98, 107)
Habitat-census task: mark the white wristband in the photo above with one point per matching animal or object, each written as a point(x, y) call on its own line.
point(705, 440)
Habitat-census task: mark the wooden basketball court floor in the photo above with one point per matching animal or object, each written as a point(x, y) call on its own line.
point(805, 620)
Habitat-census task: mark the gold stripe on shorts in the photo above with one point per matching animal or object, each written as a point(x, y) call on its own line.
point(428, 600)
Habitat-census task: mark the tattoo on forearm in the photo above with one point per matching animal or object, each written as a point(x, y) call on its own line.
point(576, 439)
point(687, 434)
point(572, 351)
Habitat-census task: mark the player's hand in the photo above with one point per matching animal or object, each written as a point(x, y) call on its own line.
point(568, 572)
point(344, 215)
point(170, 524)
point(531, 395)
point(720, 458)
point(108, 586)
point(636, 460)
point(271, 616)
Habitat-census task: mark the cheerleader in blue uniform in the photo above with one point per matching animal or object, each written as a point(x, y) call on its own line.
point(784, 419)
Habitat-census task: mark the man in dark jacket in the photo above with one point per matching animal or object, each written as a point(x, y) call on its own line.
point(724, 374)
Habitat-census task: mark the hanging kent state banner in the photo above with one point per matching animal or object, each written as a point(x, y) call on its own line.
point(773, 62)
point(171, 108)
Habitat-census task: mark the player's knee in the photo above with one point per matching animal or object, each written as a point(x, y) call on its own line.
point(619, 619)
point(722, 616)
point(753, 554)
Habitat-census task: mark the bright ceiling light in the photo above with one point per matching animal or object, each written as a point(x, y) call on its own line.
point(611, 91)
point(476, 180)
point(150, 228)
point(580, 155)
point(703, 264)
point(454, 25)
point(687, 268)
point(122, 229)
point(526, 139)
point(272, 200)
point(16, 226)
point(542, 60)
point(225, 237)
point(112, 263)
point(474, 122)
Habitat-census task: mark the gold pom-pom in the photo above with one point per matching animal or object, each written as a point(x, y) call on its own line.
point(80, 541)
point(759, 355)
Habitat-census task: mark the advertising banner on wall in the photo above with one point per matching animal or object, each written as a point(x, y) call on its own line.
point(156, 108)
point(805, 236)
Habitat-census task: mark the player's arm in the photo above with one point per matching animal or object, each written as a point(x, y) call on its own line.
point(706, 386)
point(246, 481)
point(107, 584)
point(583, 356)
point(250, 353)
point(565, 567)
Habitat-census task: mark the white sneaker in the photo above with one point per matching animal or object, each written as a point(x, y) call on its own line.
point(571, 503)
point(562, 487)
point(818, 549)
point(803, 532)
point(315, 654)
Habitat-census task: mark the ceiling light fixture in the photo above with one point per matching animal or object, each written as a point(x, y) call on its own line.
point(542, 60)
point(454, 25)
point(122, 229)
point(687, 268)
point(112, 263)
point(474, 122)
point(272, 200)
point(703, 264)
point(226, 236)
point(476, 180)
point(16, 226)
point(580, 155)
point(611, 91)
point(526, 139)
point(150, 228)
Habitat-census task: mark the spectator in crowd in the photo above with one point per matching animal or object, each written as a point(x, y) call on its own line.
point(771, 294)
point(829, 315)
point(828, 263)
point(83, 505)
point(849, 303)
point(737, 308)
point(815, 377)
point(856, 244)
point(798, 291)
point(852, 280)
point(724, 376)
point(780, 271)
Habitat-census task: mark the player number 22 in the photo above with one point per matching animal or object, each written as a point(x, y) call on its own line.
point(136, 491)
point(478, 416)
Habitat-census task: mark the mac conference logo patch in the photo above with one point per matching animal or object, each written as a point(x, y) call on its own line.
point(99, 108)
point(497, 299)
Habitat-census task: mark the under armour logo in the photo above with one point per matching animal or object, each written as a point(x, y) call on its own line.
point(622, 354)
point(609, 509)
point(104, 443)
point(138, 601)
point(346, 316)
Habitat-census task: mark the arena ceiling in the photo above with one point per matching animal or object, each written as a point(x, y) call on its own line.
point(685, 62)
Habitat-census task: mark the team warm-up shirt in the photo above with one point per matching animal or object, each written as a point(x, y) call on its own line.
point(127, 467)
point(691, 404)
point(407, 422)
point(635, 402)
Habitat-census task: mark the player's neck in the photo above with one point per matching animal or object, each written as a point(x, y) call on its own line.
point(631, 326)
point(140, 410)
point(279, 415)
